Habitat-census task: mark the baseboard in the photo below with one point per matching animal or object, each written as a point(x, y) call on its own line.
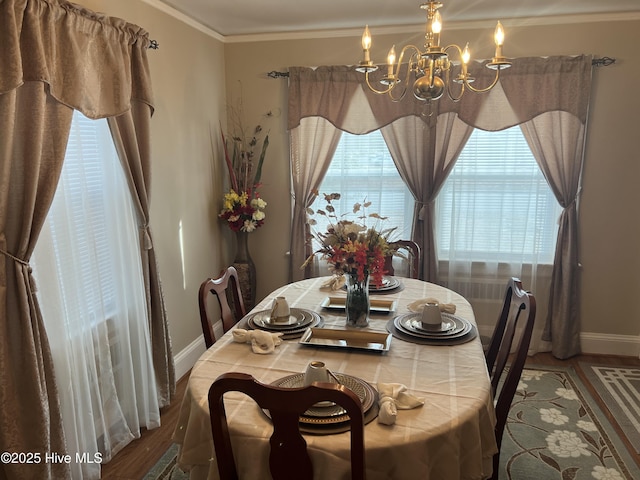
point(186, 358)
point(592, 343)
point(607, 344)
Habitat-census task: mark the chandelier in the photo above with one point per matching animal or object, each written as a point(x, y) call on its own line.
point(431, 68)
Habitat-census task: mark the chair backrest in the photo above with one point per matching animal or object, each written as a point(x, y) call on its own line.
point(518, 310)
point(413, 255)
point(288, 456)
point(227, 281)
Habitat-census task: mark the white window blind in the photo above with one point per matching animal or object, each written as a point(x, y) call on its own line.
point(496, 204)
point(82, 221)
point(362, 168)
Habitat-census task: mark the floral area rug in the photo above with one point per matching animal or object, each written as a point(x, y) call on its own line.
point(166, 468)
point(556, 430)
point(619, 389)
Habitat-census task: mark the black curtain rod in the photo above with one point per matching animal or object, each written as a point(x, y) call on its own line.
point(596, 62)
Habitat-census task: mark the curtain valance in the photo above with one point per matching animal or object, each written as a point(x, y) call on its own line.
point(72, 50)
point(323, 92)
point(532, 86)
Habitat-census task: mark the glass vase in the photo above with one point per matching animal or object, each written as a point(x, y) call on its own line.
point(357, 307)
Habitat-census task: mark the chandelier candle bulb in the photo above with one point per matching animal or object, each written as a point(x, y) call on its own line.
point(436, 28)
point(499, 39)
point(366, 43)
point(366, 65)
point(466, 56)
point(391, 60)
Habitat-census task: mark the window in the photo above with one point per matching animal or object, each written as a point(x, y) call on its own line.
point(496, 204)
point(361, 168)
point(79, 220)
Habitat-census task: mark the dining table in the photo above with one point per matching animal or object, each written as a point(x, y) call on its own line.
point(450, 437)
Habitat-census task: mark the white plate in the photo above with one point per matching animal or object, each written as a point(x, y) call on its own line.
point(298, 319)
point(388, 283)
point(405, 323)
point(445, 327)
point(333, 413)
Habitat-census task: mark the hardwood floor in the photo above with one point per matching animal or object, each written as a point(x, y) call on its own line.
point(135, 460)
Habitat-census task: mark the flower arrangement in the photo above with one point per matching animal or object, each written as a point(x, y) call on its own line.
point(350, 246)
point(243, 209)
point(242, 212)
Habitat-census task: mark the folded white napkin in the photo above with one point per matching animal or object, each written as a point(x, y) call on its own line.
point(394, 397)
point(418, 305)
point(261, 341)
point(334, 283)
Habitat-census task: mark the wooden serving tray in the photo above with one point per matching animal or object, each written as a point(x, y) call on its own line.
point(377, 305)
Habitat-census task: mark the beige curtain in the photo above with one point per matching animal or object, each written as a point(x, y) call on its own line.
point(555, 123)
point(32, 146)
point(130, 132)
point(313, 142)
point(408, 139)
point(562, 168)
point(55, 57)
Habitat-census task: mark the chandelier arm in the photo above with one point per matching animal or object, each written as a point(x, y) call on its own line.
point(416, 51)
point(451, 96)
point(398, 66)
point(461, 77)
point(396, 74)
point(486, 89)
point(409, 68)
point(398, 99)
point(373, 89)
point(464, 77)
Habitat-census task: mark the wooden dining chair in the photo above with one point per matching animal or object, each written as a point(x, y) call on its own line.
point(288, 457)
point(225, 285)
point(412, 253)
point(518, 310)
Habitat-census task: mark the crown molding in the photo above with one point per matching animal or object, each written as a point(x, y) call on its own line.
point(393, 29)
point(464, 25)
point(178, 15)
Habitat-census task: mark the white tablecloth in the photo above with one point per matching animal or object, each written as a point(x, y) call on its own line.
point(451, 437)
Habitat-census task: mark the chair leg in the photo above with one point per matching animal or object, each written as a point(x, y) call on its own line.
point(496, 467)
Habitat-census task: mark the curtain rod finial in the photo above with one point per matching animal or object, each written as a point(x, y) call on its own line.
point(274, 74)
point(603, 62)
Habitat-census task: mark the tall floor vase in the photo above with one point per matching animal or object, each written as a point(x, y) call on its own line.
point(243, 263)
